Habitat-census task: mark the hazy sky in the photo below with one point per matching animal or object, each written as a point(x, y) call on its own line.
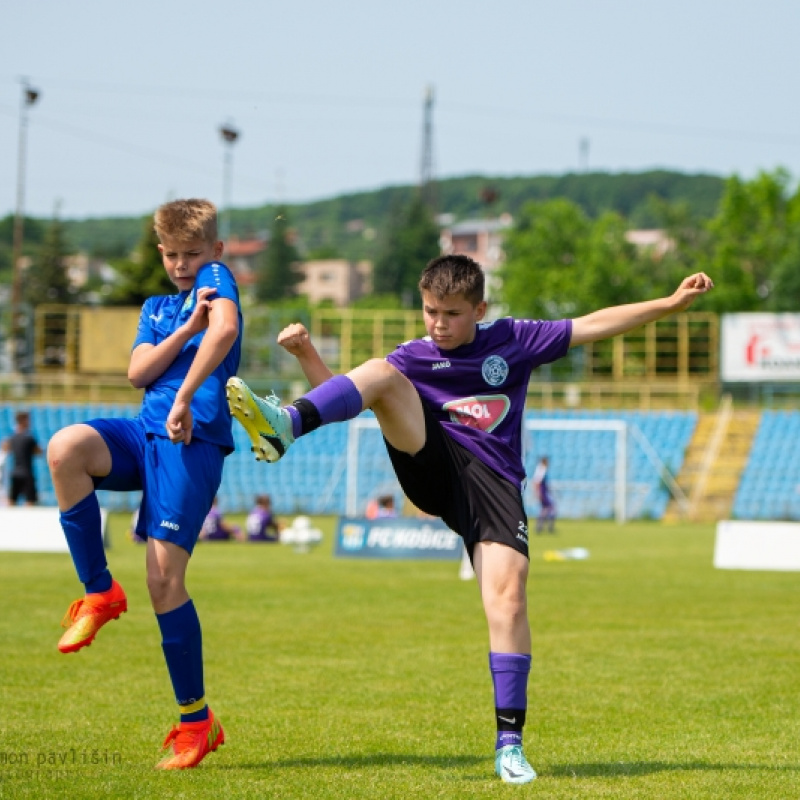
point(328, 97)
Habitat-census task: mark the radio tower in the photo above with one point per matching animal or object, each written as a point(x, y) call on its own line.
point(427, 183)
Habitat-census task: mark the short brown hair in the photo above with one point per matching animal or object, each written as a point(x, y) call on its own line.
point(453, 274)
point(187, 219)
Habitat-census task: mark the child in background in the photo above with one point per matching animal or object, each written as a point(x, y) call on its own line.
point(261, 524)
point(546, 519)
point(215, 529)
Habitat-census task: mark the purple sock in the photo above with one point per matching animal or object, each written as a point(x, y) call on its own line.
point(336, 400)
point(510, 677)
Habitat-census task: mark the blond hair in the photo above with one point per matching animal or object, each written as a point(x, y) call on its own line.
point(186, 220)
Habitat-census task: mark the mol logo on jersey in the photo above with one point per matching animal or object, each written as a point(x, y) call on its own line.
point(483, 411)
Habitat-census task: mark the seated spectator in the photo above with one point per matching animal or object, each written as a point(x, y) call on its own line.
point(381, 507)
point(261, 525)
point(215, 529)
point(386, 507)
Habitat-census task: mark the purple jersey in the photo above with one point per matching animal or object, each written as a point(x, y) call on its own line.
point(212, 528)
point(478, 391)
point(259, 524)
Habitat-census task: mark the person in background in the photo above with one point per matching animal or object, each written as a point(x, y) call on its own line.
point(215, 529)
point(386, 507)
point(261, 525)
point(22, 447)
point(381, 507)
point(546, 519)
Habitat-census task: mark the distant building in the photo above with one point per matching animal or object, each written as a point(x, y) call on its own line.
point(81, 268)
point(336, 279)
point(653, 241)
point(242, 256)
point(481, 240)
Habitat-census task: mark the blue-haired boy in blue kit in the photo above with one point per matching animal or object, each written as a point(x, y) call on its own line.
point(187, 346)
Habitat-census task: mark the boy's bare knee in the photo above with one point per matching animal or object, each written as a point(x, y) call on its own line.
point(58, 448)
point(166, 590)
point(158, 585)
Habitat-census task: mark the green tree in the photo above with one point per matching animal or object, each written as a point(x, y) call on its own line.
point(545, 252)
point(141, 276)
point(687, 250)
point(753, 245)
point(410, 242)
point(613, 271)
point(46, 280)
point(33, 235)
point(277, 276)
point(784, 281)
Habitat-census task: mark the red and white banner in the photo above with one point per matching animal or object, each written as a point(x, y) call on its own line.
point(759, 348)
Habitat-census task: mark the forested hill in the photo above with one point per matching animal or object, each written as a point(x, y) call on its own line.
point(349, 225)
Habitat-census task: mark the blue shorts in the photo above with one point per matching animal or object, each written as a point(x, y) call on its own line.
point(178, 482)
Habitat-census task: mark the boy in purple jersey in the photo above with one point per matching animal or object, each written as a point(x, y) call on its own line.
point(450, 407)
point(187, 346)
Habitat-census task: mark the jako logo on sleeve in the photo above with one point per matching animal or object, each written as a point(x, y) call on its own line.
point(173, 526)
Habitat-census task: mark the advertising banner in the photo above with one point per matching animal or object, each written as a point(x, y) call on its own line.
point(757, 545)
point(396, 538)
point(37, 529)
point(760, 348)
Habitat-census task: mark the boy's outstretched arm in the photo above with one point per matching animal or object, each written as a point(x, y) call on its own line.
point(614, 320)
point(294, 339)
point(223, 328)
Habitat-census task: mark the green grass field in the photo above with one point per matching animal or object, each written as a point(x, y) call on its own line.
point(654, 676)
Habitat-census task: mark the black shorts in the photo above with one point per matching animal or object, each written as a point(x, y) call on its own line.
point(23, 486)
point(446, 480)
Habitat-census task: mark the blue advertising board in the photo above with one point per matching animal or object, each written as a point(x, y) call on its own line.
point(396, 538)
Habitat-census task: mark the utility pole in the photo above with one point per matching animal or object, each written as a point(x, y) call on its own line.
point(583, 155)
point(229, 136)
point(427, 182)
point(28, 98)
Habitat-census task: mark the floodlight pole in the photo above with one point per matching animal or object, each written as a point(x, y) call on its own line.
point(229, 136)
point(28, 97)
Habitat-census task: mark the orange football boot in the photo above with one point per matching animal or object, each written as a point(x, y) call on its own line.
point(88, 614)
point(192, 742)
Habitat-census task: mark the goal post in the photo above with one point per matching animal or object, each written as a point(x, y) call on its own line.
point(369, 471)
point(355, 494)
point(620, 430)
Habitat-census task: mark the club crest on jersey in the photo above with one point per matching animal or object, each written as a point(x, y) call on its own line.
point(494, 370)
point(188, 303)
point(484, 412)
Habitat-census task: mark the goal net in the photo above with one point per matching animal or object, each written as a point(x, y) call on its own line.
point(599, 468)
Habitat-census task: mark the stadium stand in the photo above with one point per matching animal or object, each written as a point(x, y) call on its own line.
point(770, 485)
point(313, 478)
point(582, 463)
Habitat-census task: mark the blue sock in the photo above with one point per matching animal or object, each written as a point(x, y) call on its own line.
point(510, 677)
point(182, 643)
point(336, 400)
point(83, 529)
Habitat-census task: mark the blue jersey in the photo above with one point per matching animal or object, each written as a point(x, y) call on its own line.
point(161, 316)
point(478, 391)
